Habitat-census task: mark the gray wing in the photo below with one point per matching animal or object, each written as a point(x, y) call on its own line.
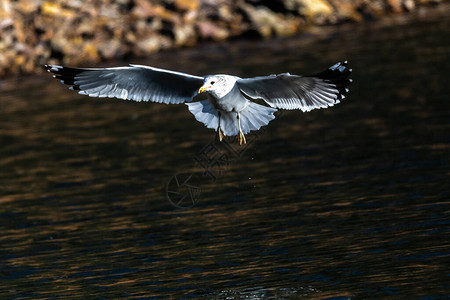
point(138, 83)
point(288, 91)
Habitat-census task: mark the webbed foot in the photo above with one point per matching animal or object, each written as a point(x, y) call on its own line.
point(241, 138)
point(220, 134)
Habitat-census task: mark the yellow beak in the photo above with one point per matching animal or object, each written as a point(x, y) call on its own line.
point(203, 88)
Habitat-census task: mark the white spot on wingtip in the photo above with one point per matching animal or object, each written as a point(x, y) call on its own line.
point(350, 80)
point(346, 89)
point(335, 66)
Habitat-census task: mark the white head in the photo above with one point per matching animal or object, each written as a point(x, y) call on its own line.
point(218, 85)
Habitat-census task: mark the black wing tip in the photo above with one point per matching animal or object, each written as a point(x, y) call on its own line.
point(340, 67)
point(65, 74)
point(53, 68)
point(338, 74)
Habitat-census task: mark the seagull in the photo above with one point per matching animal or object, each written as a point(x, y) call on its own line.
point(231, 105)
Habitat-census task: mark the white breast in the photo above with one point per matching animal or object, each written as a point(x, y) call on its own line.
point(233, 101)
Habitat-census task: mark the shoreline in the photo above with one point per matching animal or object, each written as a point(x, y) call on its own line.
point(33, 33)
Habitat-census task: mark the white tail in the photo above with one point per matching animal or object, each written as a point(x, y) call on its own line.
point(252, 117)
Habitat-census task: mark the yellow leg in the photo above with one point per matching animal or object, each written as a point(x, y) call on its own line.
point(241, 136)
point(220, 133)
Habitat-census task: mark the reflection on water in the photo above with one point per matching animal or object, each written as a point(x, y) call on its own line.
point(349, 202)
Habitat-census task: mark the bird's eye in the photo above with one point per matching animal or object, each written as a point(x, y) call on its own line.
point(212, 82)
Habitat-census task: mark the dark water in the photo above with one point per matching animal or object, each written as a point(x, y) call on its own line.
point(346, 203)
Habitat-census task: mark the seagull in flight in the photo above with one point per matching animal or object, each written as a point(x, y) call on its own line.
point(225, 103)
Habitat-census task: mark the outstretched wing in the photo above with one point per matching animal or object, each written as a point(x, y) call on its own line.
point(138, 83)
point(288, 91)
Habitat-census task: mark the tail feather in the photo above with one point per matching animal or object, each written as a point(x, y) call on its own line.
point(205, 113)
point(253, 117)
point(229, 123)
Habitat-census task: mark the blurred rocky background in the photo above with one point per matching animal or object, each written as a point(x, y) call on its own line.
point(36, 32)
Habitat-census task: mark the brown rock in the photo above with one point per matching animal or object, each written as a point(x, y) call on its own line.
point(310, 8)
point(54, 9)
point(151, 44)
point(267, 23)
point(395, 5)
point(189, 5)
point(429, 1)
point(208, 30)
point(34, 32)
point(409, 5)
point(184, 35)
point(346, 11)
